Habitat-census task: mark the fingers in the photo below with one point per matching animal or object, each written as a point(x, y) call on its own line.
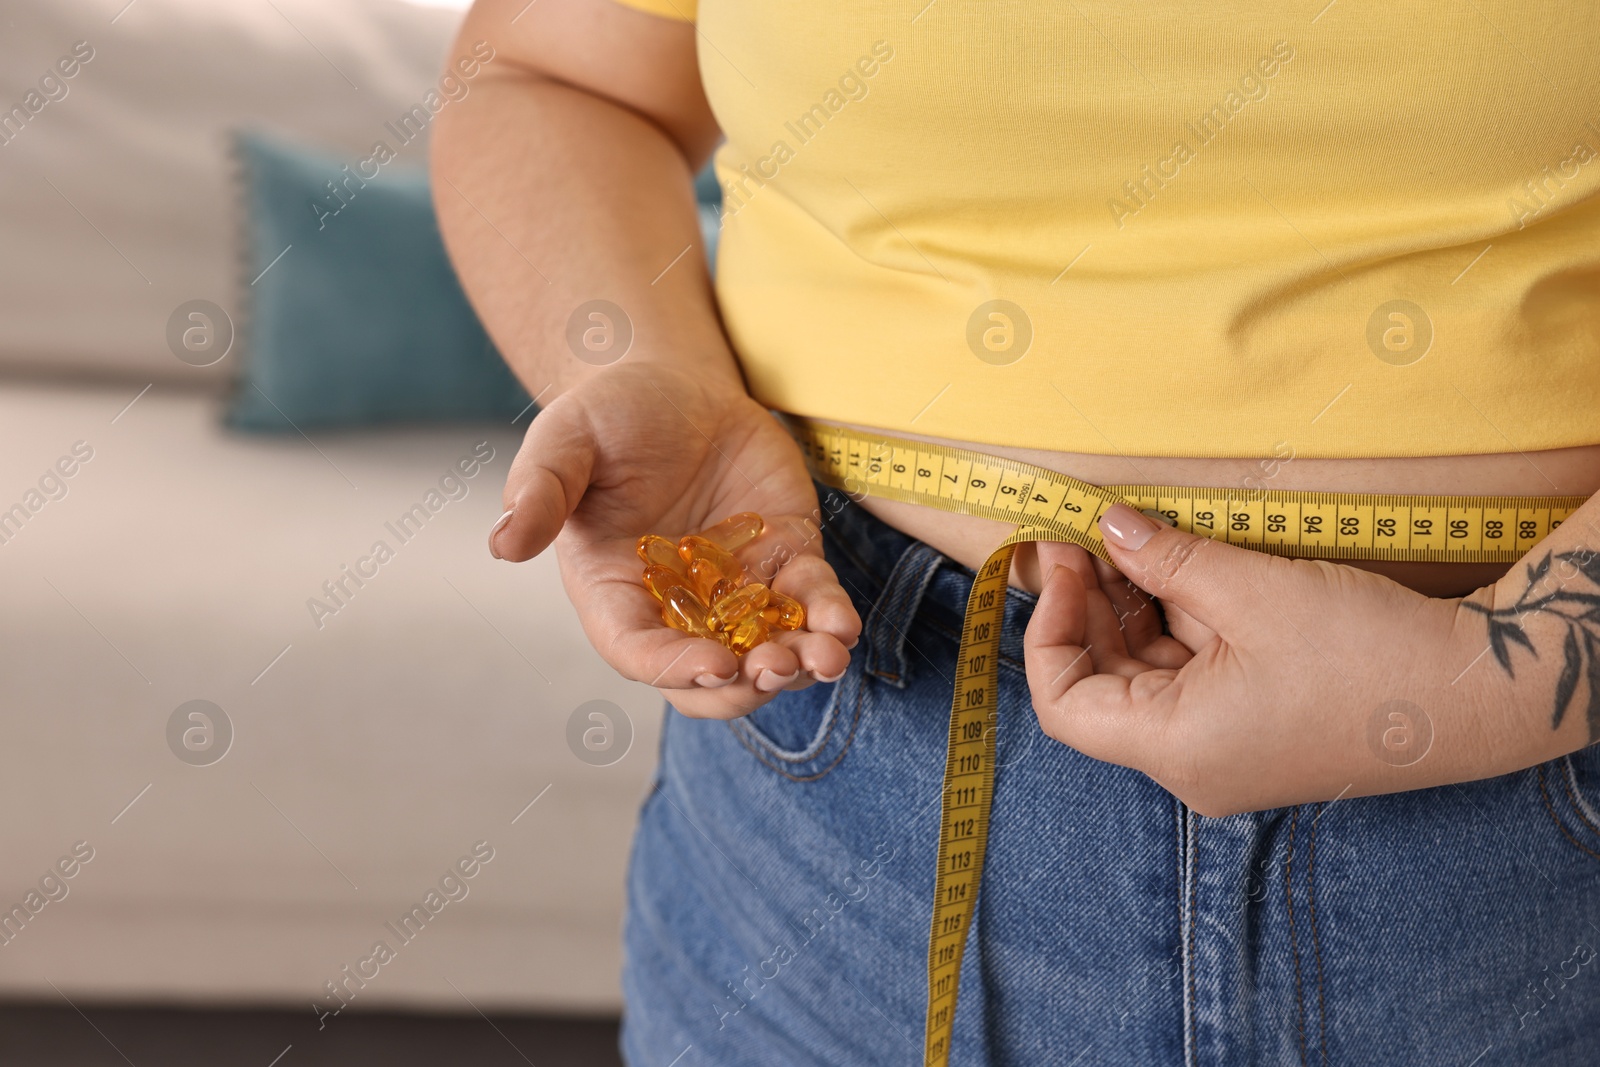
point(547, 479)
point(1053, 554)
point(1119, 720)
point(1219, 585)
point(1123, 632)
point(699, 676)
point(1103, 638)
point(1102, 706)
point(790, 659)
point(829, 609)
point(642, 648)
point(1053, 649)
point(794, 661)
point(822, 658)
point(1136, 610)
point(1166, 652)
point(1187, 630)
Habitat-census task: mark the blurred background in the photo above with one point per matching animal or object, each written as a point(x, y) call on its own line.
point(268, 702)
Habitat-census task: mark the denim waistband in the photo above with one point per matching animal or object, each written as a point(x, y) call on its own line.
point(900, 576)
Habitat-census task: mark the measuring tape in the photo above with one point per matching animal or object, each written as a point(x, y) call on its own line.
point(1048, 506)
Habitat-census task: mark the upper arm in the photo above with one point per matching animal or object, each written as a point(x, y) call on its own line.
point(639, 61)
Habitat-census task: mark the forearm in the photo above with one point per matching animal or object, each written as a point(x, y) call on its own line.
point(1537, 631)
point(550, 197)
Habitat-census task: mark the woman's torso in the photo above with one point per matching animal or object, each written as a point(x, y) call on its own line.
point(1094, 235)
point(1212, 234)
point(1166, 229)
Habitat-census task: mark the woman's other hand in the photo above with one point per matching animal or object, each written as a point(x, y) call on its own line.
point(1282, 681)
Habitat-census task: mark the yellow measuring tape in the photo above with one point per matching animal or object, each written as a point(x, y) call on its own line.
point(1048, 506)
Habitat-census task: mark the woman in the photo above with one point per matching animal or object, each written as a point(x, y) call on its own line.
point(1325, 813)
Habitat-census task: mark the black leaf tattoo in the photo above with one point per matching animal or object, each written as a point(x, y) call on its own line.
point(1587, 562)
point(1568, 684)
point(1579, 610)
point(1539, 570)
point(1593, 647)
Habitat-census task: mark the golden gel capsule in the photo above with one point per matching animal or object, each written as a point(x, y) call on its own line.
point(706, 592)
point(791, 615)
point(660, 579)
point(659, 552)
point(706, 579)
point(736, 531)
point(694, 547)
point(747, 635)
point(743, 603)
point(682, 610)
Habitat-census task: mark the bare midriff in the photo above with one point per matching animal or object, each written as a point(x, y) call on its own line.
point(969, 539)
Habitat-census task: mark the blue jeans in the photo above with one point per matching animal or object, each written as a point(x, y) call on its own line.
point(782, 877)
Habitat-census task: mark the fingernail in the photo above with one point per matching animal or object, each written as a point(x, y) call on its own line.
point(499, 524)
point(829, 678)
point(854, 641)
point(1127, 528)
point(712, 681)
point(770, 682)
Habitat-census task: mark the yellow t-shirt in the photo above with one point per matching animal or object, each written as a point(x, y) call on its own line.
point(1165, 228)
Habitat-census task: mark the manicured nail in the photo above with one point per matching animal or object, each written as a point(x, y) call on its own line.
point(713, 681)
point(1127, 528)
point(770, 682)
point(828, 678)
point(499, 524)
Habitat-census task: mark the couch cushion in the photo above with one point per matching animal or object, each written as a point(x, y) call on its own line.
point(375, 739)
point(118, 201)
point(354, 315)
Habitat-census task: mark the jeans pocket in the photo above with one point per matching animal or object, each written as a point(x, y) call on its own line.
point(1570, 790)
point(803, 734)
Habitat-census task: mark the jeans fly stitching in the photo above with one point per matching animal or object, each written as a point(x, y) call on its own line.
point(1316, 942)
point(1294, 942)
point(1193, 825)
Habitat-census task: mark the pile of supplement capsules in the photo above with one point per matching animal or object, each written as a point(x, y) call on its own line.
point(705, 592)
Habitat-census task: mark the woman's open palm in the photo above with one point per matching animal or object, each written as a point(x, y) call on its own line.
point(648, 449)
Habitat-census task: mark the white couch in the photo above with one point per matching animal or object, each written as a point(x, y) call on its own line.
point(369, 754)
point(420, 719)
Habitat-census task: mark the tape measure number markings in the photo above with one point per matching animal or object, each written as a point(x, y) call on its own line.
point(1468, 529)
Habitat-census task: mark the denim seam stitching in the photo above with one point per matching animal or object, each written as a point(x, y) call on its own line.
point(1579, 804)
point(764, 751)
point(1316, 942)
point(1193, 826)
point(909, 583)
point(813, 750)
point(1179, 838)
point(1294, 941)
point(1544, 793)
point(762, 755)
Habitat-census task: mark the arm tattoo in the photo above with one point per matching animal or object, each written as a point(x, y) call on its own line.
point(1578, 610)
